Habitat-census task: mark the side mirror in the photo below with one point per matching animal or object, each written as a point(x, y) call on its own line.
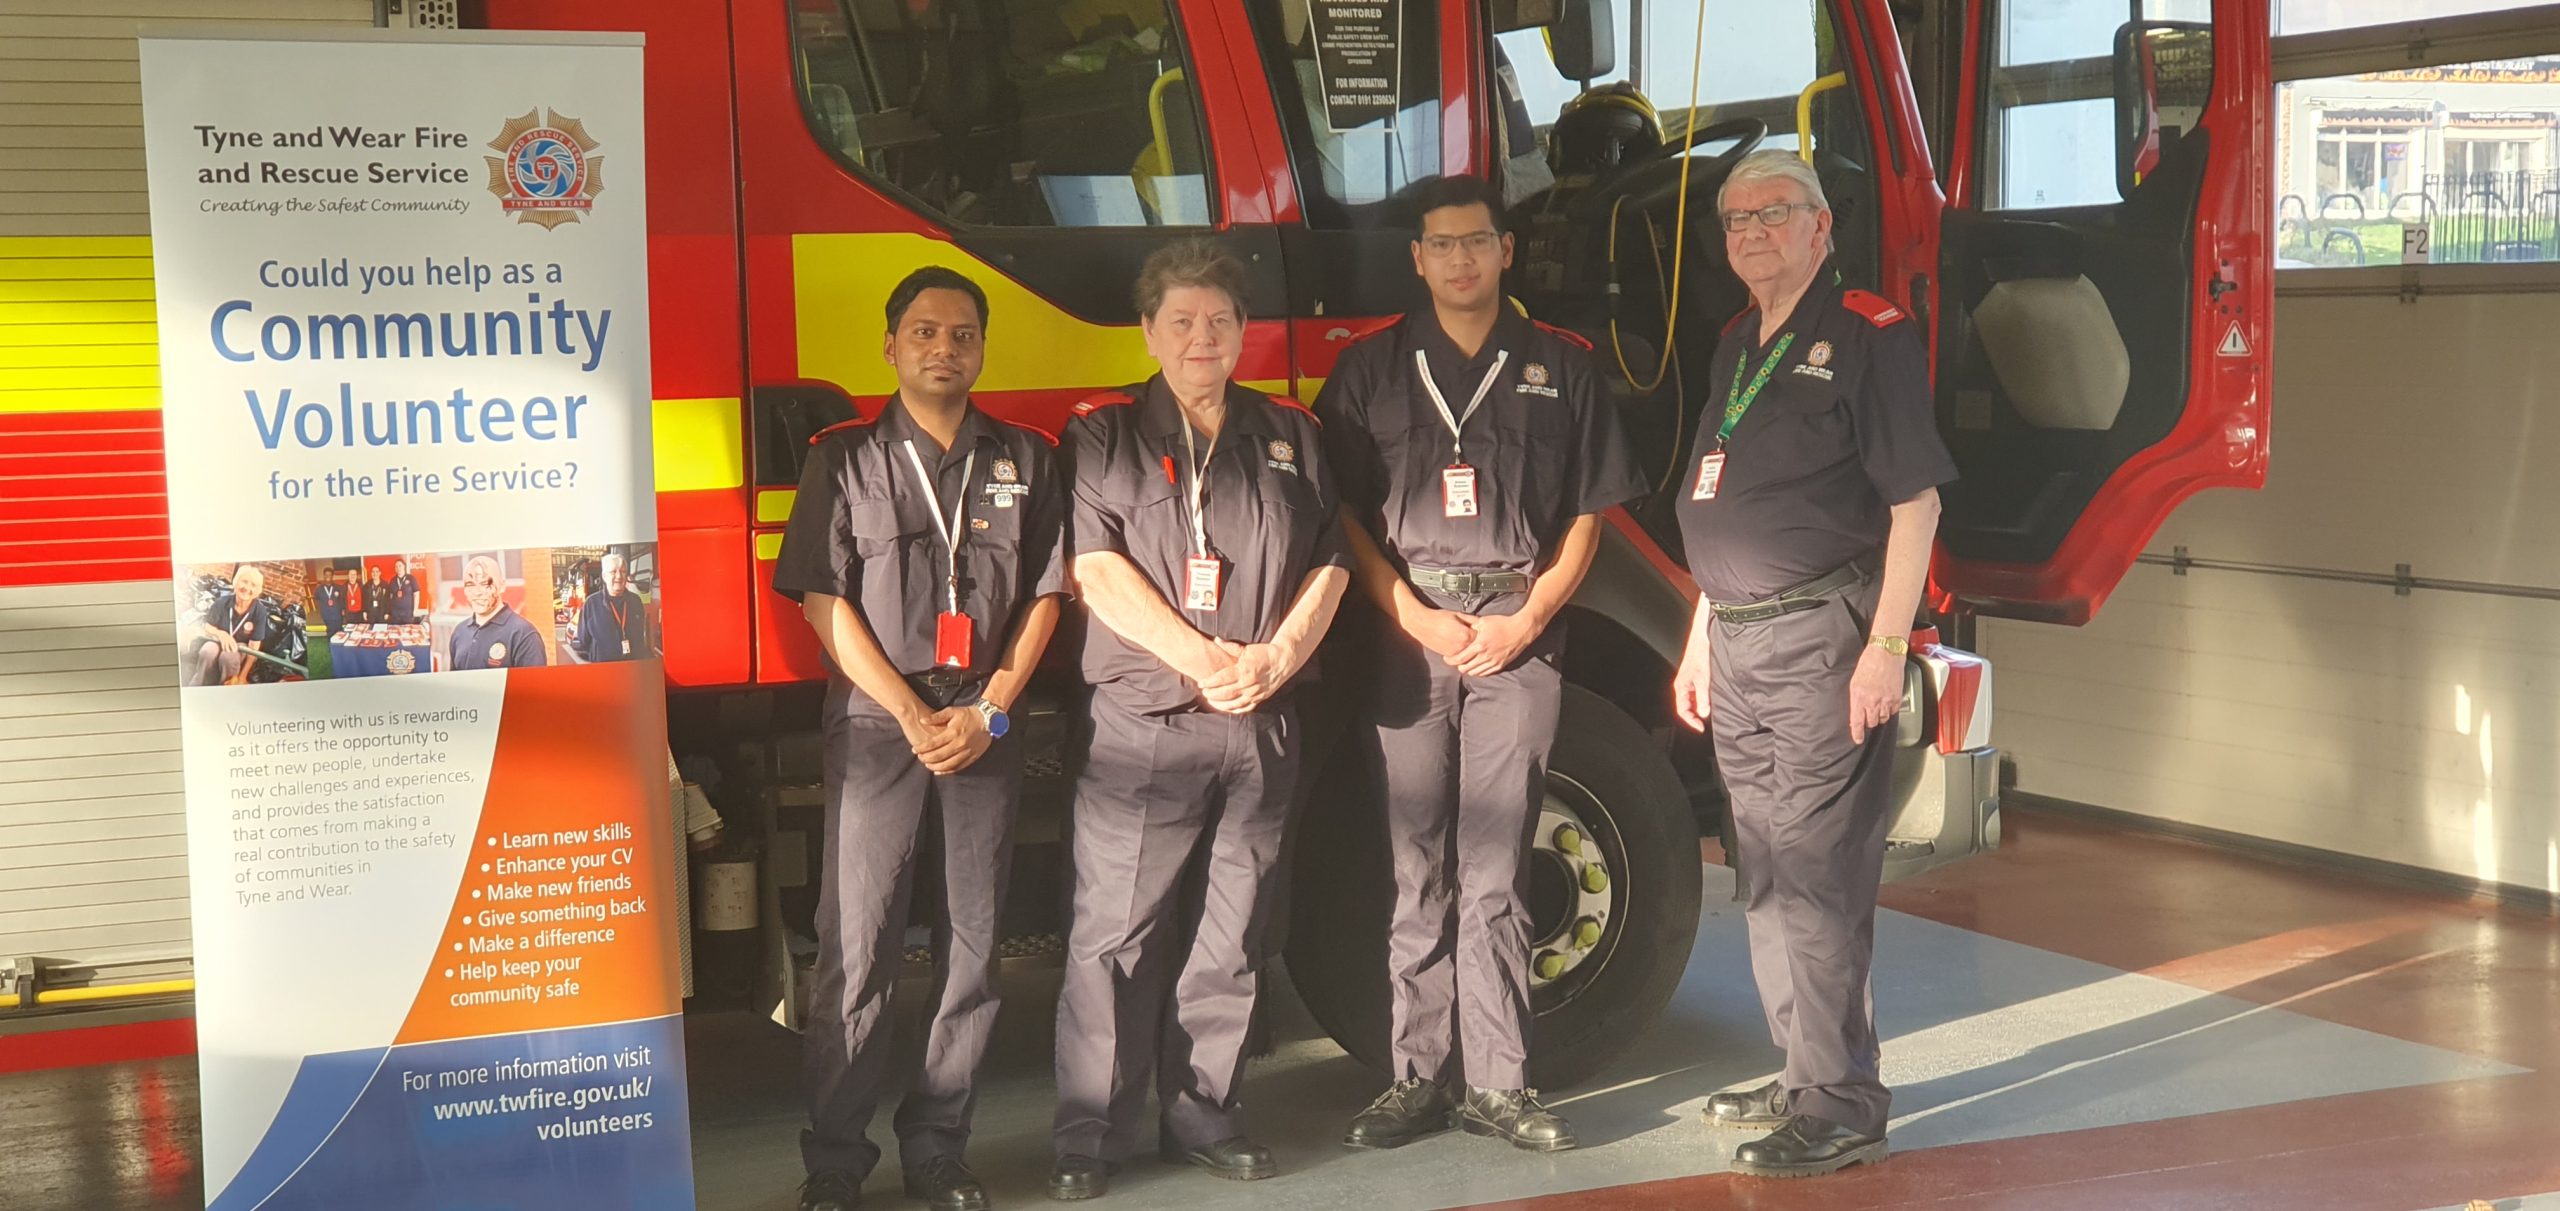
point(2163, 76)
point(1584, 40)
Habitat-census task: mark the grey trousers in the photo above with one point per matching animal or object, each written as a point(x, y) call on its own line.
point(878, 799)
point(1178, 824)
point(1466, 762)
point(1810, 810)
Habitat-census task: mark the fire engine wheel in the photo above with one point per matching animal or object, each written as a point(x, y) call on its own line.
point(1614, 886)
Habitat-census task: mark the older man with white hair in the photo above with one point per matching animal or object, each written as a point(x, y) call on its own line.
point(614, 624)
point(494, 636)
point(236, 623)
point(1812, 503)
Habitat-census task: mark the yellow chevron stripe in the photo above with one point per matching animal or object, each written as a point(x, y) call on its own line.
point(699, 444)
point(773, 505)
point(768, 547)
point(839, 282)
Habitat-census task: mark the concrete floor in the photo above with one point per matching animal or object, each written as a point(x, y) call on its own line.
point(2087, 1019)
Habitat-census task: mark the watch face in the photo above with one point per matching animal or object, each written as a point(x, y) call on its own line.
point(997, 722)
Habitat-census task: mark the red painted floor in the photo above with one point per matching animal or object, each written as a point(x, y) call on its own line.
point(2468, 977)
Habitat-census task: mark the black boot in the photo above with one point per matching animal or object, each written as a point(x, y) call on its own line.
point(1409, 1110)
point(1234, 1158)
point(830, 1190)
point(1515, 1115)
point(945, 1184)
point(1763, 1107)
point(1077, 1177)
point(1807, 1147)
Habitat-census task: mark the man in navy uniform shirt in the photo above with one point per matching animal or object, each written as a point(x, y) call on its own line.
point(331, 596)
point(1811, 502)
point(614, 624)
point(927, 548)
point(404, 594)
point(494, 636)
point(1476, 449)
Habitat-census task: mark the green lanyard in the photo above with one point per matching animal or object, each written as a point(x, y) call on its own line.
point(1737, 400)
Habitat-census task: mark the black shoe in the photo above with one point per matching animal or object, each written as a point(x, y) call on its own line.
point(945, 1184)
point(830, 1190)
point(1077, 1177)
point(1807, 1147)
point(1234, 1158)
point(1765, 1106)
point(1409, 1110)
point(1515, 1115)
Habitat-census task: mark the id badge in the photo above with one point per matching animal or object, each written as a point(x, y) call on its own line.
point(1201, 592)
point(626, 647)
point(1458, 491)
point(951, 640)
point(1710, 473)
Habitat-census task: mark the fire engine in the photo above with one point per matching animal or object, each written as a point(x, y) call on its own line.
point(2097, 360)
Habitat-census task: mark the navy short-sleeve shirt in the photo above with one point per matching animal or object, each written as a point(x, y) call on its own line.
point(1268, 505)
point(861, 529)
point(1842, 431)
point(1545, 444)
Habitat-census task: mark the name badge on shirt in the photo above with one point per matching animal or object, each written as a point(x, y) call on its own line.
point(950, 640)
point(1710, 473)
point(626, 647)
point(1458, 491)
point(1201, 591)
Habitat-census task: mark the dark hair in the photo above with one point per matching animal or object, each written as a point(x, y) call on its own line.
point(932, 277)
point(1442, 193)
point(1191, 262)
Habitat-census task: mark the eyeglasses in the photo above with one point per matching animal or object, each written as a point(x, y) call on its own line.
point(1769, 216)
point(1477, 242)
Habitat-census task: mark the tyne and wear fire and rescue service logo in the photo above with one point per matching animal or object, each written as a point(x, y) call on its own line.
point(546, 172)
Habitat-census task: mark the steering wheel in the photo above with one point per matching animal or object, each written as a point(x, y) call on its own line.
point(1654, 179)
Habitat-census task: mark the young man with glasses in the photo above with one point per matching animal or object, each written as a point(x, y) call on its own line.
point(1476, 450)
point(1811, 505)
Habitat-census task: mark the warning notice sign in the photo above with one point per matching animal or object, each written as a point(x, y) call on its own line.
point(1357, 60)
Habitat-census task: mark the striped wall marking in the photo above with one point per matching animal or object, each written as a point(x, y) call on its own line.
point(773, 505)
point(698, 444)
point(80, 399)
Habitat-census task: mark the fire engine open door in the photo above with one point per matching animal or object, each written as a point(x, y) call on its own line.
point(2104, 298)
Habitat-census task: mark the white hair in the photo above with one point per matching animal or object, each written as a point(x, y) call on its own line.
point(475, 563)
point(611, 558)
point(1770, 164)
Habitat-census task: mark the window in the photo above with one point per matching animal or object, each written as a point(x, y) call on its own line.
point(1352, 155)
point(1010, 113)
point(1759, 54)
point(2049, 137)
point(2467, 153)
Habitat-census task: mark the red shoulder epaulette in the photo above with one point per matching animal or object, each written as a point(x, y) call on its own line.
point(1569, 335)
point(1034, 430)
point(840, 426)
point(1102, 399)
point(1290, 401)
point(1879, 310)
point(1736, 321)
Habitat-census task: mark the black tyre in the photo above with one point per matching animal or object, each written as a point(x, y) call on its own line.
point(1614, 887)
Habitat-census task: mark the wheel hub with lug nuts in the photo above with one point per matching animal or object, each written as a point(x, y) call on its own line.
point(1572, 893)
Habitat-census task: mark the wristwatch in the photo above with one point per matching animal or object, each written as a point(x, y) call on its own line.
point(997, 721)
point(1896, 644)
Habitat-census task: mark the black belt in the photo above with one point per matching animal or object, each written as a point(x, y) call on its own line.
point(1792, 600)
point(1443, 580)
point(942, 680)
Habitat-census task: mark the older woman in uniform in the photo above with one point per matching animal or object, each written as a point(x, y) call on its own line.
point(1207, 548)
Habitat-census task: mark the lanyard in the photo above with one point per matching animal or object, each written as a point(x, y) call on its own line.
point(613, 604)
point(1458, 421)
point(959, 515)
point(1737, 400)
point(1199, 466)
